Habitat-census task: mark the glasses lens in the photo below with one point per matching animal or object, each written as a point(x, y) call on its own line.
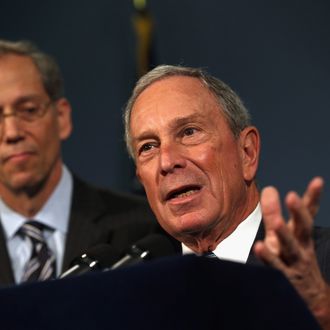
point(31, 111)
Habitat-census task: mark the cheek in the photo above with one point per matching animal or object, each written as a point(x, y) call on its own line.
point(205, 154)
point(146, 178)
point(222, 166)
point(46, 132)
point(49, 144)
point(153, 200)
point(210, 161)
point(49, 138)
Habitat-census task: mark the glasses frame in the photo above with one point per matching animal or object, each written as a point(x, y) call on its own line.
point(42, 109)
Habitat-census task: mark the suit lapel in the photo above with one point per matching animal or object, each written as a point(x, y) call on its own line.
point(85, 209)
point(252, 259)
point(6, 273)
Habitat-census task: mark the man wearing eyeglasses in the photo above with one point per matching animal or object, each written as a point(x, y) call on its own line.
point(48, 216)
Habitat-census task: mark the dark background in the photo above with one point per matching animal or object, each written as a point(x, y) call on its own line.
point(275, 54)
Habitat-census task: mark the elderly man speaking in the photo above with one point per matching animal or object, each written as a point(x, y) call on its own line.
point(196, 154)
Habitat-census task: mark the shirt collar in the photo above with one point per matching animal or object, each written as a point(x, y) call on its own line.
point(237, 246)
point(55, 213)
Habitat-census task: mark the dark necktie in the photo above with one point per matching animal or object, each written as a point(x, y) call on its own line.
point(209, 255)
point(41, 265)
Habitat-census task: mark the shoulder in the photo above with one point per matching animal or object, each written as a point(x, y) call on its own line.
point(321, 235)
point(120, 218)
point(88, 193)
point(322, 246)
point(111, 208)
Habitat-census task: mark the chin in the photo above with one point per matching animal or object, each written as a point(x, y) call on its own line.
point(23, 181)
point(191, 224)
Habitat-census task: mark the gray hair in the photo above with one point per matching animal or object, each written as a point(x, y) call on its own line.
point(49, 70)
point(233, 108)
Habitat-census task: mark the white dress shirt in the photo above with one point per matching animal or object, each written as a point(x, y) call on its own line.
point(55, 214)
point(237, 246)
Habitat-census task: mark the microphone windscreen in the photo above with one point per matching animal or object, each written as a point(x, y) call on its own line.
point(105, 254)
point(157, 245)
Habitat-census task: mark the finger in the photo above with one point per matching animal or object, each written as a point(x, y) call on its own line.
point(290, 249)
point(262, 251)
point(312, 195)
point(271, 208)
point(300, 217)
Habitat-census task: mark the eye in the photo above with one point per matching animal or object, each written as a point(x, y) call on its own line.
point(189, 131)
point(30, 110)
point(146, 147)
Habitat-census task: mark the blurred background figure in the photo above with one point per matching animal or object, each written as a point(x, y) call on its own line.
point(48, 215)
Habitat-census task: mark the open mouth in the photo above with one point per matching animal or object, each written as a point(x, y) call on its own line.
point(183, 192)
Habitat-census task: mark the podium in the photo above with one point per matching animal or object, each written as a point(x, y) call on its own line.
point(182, 292)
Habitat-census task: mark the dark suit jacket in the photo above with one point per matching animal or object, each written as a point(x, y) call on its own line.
point(97, 216)
point(321, 238)
point(322, 247)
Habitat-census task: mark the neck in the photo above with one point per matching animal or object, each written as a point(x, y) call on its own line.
point(28, 201)
point(208, 240)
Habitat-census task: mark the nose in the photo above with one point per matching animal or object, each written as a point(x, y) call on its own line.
point(171, 158)
point(11, 131)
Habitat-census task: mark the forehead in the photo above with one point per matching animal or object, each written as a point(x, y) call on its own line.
point(172, 99)
point(18, 77)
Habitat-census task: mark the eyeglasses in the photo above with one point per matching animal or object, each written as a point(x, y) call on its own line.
point(27, 111)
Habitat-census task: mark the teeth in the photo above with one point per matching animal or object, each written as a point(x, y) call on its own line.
point(185, 194)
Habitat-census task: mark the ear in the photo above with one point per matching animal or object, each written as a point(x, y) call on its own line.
point(63, 109)
point(250, 149)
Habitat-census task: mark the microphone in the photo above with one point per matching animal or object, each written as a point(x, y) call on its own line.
point(150, 247)
point(96, 258)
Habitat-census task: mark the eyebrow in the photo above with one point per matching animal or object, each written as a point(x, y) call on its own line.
point(181, 121)
point(173, 125)
point(25, 98)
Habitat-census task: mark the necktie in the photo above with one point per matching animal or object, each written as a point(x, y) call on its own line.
point(41, 265)
point(209, 255)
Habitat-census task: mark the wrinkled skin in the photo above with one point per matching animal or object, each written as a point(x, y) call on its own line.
point(289, 247)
